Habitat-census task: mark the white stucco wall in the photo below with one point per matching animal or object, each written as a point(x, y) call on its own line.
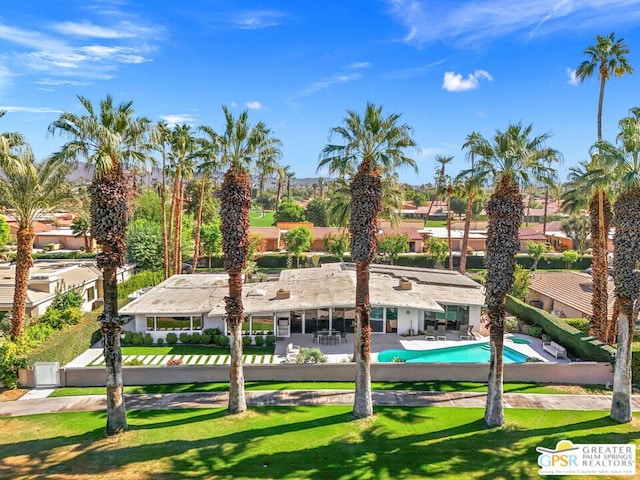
point(474, 316)
point(408, 318)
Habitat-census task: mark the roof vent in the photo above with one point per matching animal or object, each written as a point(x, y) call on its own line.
point(404, 284)
point(282, 294)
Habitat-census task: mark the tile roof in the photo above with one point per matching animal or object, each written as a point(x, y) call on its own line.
point(571, 288)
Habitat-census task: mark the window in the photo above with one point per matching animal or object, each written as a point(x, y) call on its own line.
point(163, 323)
point(452, 318)
point(262, 324)
point(91, 294)
point(377, 320)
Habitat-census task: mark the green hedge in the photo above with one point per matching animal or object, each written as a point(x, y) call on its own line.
point(581, 345)
point(65, 345)
point(146, 278)
point(63, 255)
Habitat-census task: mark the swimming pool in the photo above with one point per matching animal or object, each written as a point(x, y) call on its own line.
point(473, 353)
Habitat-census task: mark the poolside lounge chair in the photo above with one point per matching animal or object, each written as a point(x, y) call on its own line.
point(292, 353)
point(430, 333)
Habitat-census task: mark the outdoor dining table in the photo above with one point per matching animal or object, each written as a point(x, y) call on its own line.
point(326, 337)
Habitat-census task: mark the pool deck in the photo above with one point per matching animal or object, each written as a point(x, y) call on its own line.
point(390, 341)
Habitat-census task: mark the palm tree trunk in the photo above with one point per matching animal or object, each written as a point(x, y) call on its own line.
point(621, 402)
point(449, 231)
point(176, 226)
point(172, 214)
point(505, 210)
point(600, 213)
point(234, 308)
point(603, 75)
point(494, 412)
point(24, 262)
point(465, 236)
point(165, 234)
point(546, 205)
point(363, 405)
point(279, 194)
point(198, 226)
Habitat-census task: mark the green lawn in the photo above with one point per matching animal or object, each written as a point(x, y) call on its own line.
point(257, 220)
point(223, 387)
point(319, 442)
point(192, 350)
point(435, 223)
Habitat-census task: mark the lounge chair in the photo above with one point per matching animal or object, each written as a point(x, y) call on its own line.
point(292, 353)
point(430, 333)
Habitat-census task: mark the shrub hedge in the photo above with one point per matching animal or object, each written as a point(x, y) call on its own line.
point(581, 345)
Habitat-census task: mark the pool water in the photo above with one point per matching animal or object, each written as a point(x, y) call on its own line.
point(474, 353)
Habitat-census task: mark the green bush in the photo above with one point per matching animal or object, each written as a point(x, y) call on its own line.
point(246, 340)
point(580, 345)
point(535, 331)
point(311, 355)
point(223, 341)
point(134, 362)
point(128, 338)
point(70, 298)
point(270, 340)
point(148, 339)
point(185, 338)
point(510, 324)
point(196, 338)
point(171, 338)
point(259, 339)
point(137, 339)
point(212, 331)
point(581, 324)
point(160, 341)
point(207, 339)
point(138, 281)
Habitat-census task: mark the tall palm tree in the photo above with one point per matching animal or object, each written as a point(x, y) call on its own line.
point(283, 172)
point(12, 149)
point(378, 144)
point(28, 193)
point(626, 254)
point(512, 159)
point(182, 154)
point(266, 165)
point(109, 139)
point(159, 137)
point(590, 184)
point(240, 145)
point(609, 57)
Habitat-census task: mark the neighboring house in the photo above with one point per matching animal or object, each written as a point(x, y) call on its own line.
point(529, 234)
point(48, 277)
point(38, 226)
point(62, 238)
point(403, 300)
point(318, 237)
point(416, 241)
point(567, 294)
point(271, 236)
point(477, 238)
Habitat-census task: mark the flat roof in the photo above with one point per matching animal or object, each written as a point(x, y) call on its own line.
point(330, 285)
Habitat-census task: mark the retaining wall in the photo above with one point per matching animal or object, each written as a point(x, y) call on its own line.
point(577, 373)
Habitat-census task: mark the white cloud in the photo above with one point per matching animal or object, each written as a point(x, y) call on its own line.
point(258, 19)
point(359, 65)
point(56, 82)
point(175, 119)
point(327, 82)
point(233, 104)
point(573, 80)
point(414, 71)
point(454, 82)
point(15, 108)
point(5, 77)
point(471, 22)
point(254, 105)
point(119, 31)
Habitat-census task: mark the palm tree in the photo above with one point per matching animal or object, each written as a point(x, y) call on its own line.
point(609, 57)
point(283, 172)
point(266, 165)
point(12, 149)
point(240, 145)
point(589, 184)
point(511, 160)
point(28, 193)
point(159, 137)
point(378, 143)
point(182, 155)
point(626, 255)
point(110, 140)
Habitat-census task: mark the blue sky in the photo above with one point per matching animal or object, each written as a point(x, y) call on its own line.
point(449, 68)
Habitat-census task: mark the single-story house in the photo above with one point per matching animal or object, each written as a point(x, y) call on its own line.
point(271, 236)
point(62, 238)
point(404, 300)
point(567, 294)
point(48, 277)
point(416, 241)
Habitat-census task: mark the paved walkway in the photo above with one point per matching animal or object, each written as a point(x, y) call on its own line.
point(309, 397)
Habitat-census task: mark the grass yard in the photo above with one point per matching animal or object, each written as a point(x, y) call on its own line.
point(415, 386)
point(319, 442)
point(257, 220)
point(192, 350)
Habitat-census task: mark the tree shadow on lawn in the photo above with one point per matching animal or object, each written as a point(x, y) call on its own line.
point(396, 443)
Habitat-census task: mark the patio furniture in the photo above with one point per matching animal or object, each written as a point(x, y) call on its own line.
point(292, 351)
point(430, 334)
point(441, 337)
point(343, 337)
point(316, 339)
point(555, 349)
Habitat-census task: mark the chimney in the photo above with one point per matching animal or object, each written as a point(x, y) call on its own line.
point(282, 294)
point(405, 284)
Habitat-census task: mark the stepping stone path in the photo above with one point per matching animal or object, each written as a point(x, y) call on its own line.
point(159, 360)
